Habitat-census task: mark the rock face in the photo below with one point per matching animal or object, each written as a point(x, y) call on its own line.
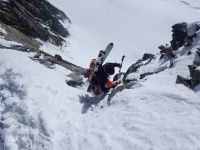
point(179, 31)
point(12, 34)
point(35, 18)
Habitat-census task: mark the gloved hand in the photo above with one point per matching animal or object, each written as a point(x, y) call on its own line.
point(117, 65)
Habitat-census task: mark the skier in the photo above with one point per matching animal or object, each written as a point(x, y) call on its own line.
point(101, 83)
point(183, 34)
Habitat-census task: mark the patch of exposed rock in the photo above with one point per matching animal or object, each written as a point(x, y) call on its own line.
point(12, 34)
point(194, 70)
point(146, 59)
point(37, 19)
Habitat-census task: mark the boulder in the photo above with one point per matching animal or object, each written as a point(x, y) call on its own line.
point(74, 83)
point(58, 57)
point(179, 32)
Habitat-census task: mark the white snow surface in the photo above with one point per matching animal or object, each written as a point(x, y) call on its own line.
point(39, 111)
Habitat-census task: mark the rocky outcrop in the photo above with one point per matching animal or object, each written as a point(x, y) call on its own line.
point(37, 19)
point(47, 59)
point(194, 70)
point(12, 34)
point(179, 32)
point(166, 52)
point(75, 83)
point(50, 60)
point(146, 59)
point(183, 80)
point(193, 80)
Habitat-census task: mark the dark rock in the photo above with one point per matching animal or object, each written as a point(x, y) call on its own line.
point(145, 74)
point(197, 58)
point(148, 56)
point(1, 46)
point(134, 67)
point(179, 32)
point(153, 72)
point(189, 53)
point(188, 44)
point(139, 63)
point(194, 75)
point(194, 83)
point(1, 125)
point(195, 78)
point(146, 59)
point(176, 44)
point(184, 81)
point(58, 57)
point(166, 52)
point(74, 83)
point(19, 48)
point(198, 52)
point(180, 27)
point(191, 69)
point(37, 55)
point(48, 59)
point(17, 36)
point(2, 139)
point(38, 19)
point(130, 80)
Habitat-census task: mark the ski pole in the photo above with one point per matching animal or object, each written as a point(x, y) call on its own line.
point(121, 63)
point(117, 76)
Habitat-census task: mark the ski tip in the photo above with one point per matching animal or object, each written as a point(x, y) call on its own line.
point(111, 43)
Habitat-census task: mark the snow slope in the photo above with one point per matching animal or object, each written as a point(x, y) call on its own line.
point(135, 27)
point(39, 111)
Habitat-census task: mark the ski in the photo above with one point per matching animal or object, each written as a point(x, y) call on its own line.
point(107, 51)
